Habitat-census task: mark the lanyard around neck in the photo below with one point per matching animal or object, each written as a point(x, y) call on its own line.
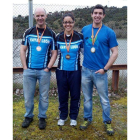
point(39, 39)
point(94, 38)
point(68, 47)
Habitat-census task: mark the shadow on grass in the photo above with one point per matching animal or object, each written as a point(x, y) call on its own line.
point(95, 131)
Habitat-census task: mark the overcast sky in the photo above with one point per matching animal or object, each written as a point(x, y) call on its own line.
point(116, 3)
point(61, 5)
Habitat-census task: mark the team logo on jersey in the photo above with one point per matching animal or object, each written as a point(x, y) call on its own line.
point(74, 47)
point(71, 47)
point(88, 42)
point(62, 47)
point(42, 40)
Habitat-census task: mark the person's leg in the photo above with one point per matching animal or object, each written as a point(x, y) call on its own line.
point(101, 83)
point(74, 79)
point(87, 87)
point(102, 88)
point(29, 83)
point(63, 93)
point(44, 85)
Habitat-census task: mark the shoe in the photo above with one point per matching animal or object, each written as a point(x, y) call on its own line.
point(109, 129)
point(85, 124)
point(42, 123)
point(73, 122)
point(27, 122)
point(61, 122)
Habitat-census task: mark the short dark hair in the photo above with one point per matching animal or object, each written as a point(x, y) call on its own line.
point(68, 13)
point(98, 6)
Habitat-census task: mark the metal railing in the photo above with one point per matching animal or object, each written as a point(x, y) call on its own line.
point(114, 68)
point(117, 76)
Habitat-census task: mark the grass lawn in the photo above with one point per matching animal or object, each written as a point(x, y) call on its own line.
point(95, 131)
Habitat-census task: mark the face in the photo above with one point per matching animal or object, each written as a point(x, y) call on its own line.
point(97, 16)
point(68, 24)
point(40, 17)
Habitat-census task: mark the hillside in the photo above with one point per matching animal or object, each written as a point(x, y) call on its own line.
point(116, 18)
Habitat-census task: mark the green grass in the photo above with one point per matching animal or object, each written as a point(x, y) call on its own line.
point(95, 131)
point(17, 85)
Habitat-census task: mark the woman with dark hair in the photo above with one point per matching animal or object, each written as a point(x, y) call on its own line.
point(68, 73)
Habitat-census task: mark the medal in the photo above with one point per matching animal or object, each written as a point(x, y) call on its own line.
point(94, 38)
point(68, 47)
point(38, 48)
point(92, 50)
point(67, 56)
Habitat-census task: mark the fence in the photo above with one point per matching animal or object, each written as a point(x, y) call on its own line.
point(116, 18)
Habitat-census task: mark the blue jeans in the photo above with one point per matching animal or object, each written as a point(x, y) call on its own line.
point(89, 79)
point(30, 77)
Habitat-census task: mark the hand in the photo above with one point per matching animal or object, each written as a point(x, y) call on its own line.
point(46, 70)
point(101, 71)
point(24, 68)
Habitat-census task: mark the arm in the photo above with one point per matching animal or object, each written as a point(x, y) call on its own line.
point(53, 58)
point(23, 56)
point(111, 60)
point(113, 57)
point(82, 50)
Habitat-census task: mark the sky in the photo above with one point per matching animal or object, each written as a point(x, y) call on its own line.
point(116, 3)
point(61, 5)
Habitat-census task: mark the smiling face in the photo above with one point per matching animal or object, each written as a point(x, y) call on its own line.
point(68, 25)
point(40, 17)
point(97, 17)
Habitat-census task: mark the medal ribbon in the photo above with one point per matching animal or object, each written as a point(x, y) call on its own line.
point(39, 39)
point(68, 47)
point(94, 38)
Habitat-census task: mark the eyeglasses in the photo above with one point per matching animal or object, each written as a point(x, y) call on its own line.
point(68, 22)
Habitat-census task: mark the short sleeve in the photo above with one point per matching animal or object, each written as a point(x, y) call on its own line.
point(112, 39)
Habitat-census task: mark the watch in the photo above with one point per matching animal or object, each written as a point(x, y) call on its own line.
point(104, 70)
point(48, 68)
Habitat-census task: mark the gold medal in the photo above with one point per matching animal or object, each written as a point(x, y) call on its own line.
point(94, 38)
point(68, 47)
point(92, 50)
point(67, 56)
point(38, 48)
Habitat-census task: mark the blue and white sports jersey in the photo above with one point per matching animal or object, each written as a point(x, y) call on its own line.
point(106, 39)
point(73, 63)
point(38, 58)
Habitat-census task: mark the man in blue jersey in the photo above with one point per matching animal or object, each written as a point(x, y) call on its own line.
point(98, 41)
point(40, 43)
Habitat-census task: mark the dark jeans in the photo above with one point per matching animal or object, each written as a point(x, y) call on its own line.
point(69, 82)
